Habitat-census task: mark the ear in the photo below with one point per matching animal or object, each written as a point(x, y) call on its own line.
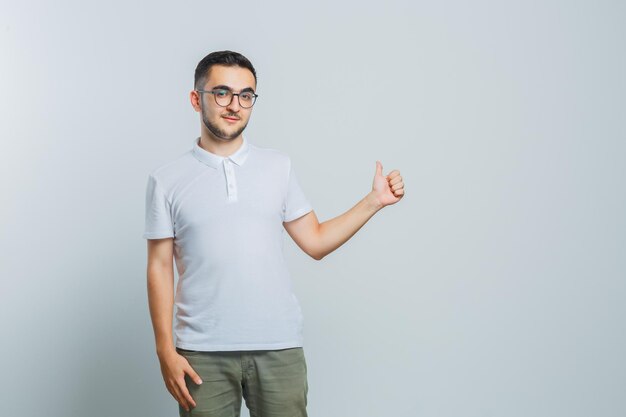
point(194, 98)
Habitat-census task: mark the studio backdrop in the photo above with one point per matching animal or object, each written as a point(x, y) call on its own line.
point(495, 287)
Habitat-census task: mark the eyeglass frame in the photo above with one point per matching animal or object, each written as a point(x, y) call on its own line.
point(231, 98)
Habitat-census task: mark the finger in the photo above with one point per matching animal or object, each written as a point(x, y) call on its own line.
point(395, 180)
point(399, 192)
point(185, 393)
point(178, 396)
point(397, 186)
point(194, 375)
point(379, 168)
point(393, 174)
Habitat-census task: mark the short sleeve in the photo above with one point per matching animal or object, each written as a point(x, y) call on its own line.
point(158, 221)
point(296, 204)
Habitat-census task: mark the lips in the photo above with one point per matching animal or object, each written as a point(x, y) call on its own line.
point(232, 119)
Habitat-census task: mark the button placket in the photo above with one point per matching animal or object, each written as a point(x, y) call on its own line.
point(231, 183)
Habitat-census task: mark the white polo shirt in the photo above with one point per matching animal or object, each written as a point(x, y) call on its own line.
point(225, 213)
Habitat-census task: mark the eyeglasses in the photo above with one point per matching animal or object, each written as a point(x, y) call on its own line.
point(223, 98)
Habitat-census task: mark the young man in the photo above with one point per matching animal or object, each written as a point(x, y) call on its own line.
point(220, 210)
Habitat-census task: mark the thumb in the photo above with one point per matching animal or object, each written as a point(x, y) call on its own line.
point(379, 168)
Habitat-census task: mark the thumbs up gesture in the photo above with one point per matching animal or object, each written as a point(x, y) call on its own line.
point(387, 189)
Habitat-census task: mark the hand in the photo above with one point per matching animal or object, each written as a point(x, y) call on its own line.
point(174, 367)
point(387, 190)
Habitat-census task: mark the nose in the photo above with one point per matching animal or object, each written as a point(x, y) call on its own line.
point(234, 104)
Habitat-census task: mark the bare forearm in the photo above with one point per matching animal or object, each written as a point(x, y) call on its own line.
point(161, 302)
point(335, 232)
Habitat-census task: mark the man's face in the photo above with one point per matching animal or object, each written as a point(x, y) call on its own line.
point(226, 123)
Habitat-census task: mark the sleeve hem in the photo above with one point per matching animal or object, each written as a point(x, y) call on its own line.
point(298, 213)
point(157, 235)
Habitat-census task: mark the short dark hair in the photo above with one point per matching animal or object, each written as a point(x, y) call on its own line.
point(226, 58)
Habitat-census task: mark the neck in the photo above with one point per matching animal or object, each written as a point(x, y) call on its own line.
point(219, 146)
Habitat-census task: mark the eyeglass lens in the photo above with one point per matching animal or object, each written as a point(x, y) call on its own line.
point(225, 97)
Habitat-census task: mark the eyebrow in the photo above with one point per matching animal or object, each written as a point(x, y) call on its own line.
point(225, 87)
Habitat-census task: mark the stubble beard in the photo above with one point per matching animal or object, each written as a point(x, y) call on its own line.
point(220, 133)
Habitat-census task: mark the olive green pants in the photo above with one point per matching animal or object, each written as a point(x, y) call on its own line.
point(273, 383)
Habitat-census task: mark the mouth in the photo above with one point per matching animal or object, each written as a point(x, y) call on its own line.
point(231, 119)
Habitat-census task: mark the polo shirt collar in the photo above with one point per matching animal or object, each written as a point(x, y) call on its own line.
point(215, 161)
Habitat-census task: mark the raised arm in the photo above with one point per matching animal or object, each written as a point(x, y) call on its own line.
point(319, 239)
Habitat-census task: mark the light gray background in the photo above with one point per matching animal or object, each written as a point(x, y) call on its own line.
point(494, 288)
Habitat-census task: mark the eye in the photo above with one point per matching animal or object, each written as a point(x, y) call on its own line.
point(221, 93)
point(246, 96)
